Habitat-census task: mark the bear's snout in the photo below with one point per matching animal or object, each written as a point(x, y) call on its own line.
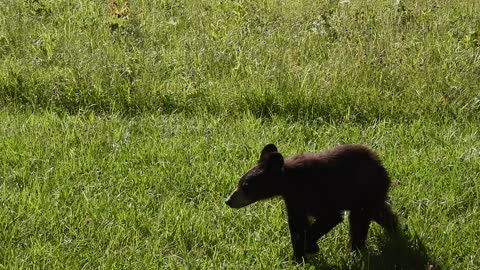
point(238, 199)
point(228, 201)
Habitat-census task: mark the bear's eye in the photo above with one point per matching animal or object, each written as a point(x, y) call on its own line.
point(245, 186)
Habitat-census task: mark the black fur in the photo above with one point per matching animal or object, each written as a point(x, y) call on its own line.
point(321, 185)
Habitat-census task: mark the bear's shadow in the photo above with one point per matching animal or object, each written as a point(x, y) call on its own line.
point(404, 251)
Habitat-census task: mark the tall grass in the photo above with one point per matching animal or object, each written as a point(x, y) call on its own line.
point(302, 59)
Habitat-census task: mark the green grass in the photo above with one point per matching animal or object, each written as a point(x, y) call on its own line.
point(120, 137)
point(85, 191)
point(299, 59)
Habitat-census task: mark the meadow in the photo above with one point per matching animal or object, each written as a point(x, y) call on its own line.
point(124, 126)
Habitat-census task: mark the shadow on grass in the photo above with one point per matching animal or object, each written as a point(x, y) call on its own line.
point(404, 251)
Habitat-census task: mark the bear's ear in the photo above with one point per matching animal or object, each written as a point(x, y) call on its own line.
point(267, 150)
point(274, 162)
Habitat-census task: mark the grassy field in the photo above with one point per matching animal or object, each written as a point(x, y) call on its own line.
point(124, 127)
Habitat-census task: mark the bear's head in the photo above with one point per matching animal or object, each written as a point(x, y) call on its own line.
point(260, 182)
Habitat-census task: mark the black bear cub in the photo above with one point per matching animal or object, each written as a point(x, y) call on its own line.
point(321, 186)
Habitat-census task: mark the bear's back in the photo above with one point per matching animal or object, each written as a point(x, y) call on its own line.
point(346, 176)
point(344, 156)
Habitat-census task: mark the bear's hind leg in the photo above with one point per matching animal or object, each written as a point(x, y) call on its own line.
point(387, 219)
point(323, 224)
point(359, 223)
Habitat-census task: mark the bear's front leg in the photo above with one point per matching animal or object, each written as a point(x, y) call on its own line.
point(298, 223)
point(324, 222)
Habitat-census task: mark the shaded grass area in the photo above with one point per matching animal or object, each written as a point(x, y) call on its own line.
point(145, 192)
point(311, 59)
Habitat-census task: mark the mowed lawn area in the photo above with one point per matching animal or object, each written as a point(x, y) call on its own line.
point(124, 125)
